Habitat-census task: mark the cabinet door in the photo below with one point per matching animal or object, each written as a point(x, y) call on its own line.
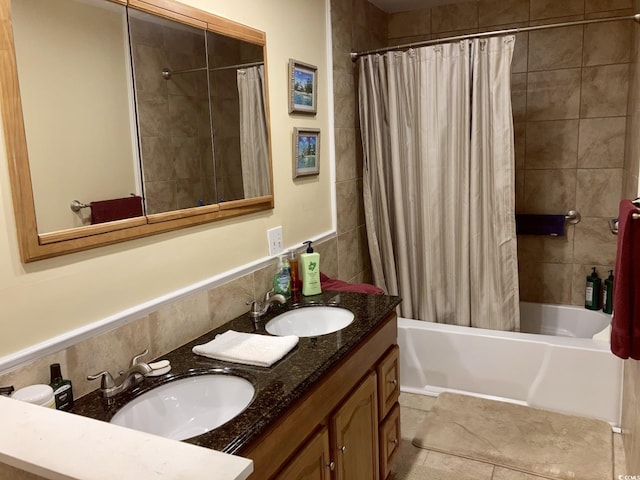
point(312, 462)
point(355, 434)
point(388, 381)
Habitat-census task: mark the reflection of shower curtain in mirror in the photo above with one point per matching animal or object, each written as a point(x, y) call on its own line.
point(254, 147)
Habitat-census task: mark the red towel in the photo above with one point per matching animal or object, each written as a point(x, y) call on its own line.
point(332, 284)
point(116, 209)
point(625, 325)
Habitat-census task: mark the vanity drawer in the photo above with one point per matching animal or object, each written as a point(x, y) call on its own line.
point(389, 441)
point(388, 371)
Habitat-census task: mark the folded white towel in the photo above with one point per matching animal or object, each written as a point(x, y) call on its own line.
point(247, 348)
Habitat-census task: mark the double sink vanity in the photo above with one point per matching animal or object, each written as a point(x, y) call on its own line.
point(328, 407)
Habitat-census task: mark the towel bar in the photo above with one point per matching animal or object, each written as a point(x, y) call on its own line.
point(76, 206)
point(573, 217)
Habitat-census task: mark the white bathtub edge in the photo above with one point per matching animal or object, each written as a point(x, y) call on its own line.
point(428, 370)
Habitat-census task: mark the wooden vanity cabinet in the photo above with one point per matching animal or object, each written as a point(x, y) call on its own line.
point(342, 410)
point(354, 436)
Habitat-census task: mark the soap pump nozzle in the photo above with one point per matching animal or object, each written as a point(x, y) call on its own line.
point(309, 247)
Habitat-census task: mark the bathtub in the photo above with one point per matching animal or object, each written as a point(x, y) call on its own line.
point(561, 372)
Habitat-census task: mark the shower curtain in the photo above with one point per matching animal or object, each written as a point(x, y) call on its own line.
point(439, 170)
point(254, 147)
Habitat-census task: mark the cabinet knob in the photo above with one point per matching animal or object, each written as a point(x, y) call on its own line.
point(393, 382)
point(332, 466)
point(342, 448)
point(394, 441)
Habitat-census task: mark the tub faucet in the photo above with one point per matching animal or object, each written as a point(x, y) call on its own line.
point(258, 308)
point(131, 377)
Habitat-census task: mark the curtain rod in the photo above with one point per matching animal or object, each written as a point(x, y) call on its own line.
point(508, 31)
point(166, 73)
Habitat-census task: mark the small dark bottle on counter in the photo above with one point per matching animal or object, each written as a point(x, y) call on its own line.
point(62, 391)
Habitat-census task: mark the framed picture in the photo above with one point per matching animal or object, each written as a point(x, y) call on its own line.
point(306, 152)
point(303, 87)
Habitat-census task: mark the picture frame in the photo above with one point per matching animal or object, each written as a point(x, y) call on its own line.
point(306, 152)
point(303, 87)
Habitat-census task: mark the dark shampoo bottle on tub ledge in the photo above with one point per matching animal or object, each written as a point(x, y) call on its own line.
point(607, 294)
point(593, 291)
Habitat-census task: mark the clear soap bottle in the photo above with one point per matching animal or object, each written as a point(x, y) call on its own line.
point(282, 278)
point(293, 272)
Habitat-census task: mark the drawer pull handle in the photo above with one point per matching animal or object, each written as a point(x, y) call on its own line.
point(394, 441)
point(342, 448)
point(393, 382)
point(332, 466)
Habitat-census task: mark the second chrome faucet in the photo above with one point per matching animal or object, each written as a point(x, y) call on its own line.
point(259, 308)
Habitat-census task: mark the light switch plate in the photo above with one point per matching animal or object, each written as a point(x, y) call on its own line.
point(274, 236)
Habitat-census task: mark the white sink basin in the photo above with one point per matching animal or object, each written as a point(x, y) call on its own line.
point(187, 407)
point(309, 321)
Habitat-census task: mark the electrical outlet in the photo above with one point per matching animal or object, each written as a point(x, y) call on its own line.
point(274, 236)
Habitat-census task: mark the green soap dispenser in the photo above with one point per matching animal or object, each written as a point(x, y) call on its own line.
point(607, 296)
point(592, 293)
point(310, 267)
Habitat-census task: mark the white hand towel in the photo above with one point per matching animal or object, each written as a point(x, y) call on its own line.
point(247, 348)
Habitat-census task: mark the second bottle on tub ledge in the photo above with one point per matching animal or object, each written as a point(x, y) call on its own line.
point(310, 269)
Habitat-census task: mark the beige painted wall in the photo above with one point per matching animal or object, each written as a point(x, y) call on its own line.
point(48, 298)
point(79, 138)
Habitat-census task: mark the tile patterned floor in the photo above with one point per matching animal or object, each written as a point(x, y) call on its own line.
point(418, 464)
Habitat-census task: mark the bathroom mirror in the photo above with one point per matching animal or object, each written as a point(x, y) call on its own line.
point(152, 99)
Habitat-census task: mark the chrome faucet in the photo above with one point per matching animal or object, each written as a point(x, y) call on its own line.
point(7, 391)
point(258, 308)
point(131, 377)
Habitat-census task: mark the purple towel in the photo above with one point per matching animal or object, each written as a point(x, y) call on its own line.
point(540, 225)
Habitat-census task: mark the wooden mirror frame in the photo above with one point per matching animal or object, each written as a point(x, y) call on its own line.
point(35, 246)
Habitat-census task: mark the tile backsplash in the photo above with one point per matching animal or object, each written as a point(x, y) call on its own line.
point(161, 331)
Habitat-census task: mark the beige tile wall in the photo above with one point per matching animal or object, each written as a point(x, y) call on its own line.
point(356, 25)
point(160, 331)
point(569, 91)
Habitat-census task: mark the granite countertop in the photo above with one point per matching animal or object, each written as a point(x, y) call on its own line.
point(277, 387)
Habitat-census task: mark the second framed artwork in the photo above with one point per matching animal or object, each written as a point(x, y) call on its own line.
point(306, 152)
point(303, 87)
